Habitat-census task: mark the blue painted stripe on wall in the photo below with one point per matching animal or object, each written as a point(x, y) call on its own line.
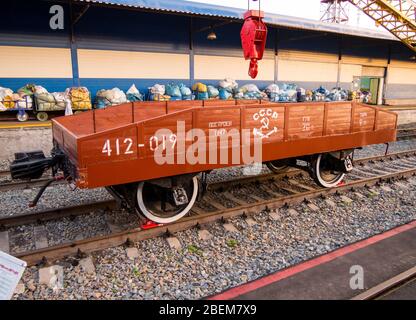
point(51, 84)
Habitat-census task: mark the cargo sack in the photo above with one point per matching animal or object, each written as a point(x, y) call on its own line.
point(8, 102)
point(111, 97)
point(27, 90)
point(4, 92)
point(173, 91)
point(202, 95)
point(186, 92)
point(229, 84)
point(80, 98)
point(224, 94)
point(199, 87)
point(158, 89)
point(133, 94)
point(272, 92)
point(159, 97)
point(50, 101)
point(213, 92)
point(248, 92)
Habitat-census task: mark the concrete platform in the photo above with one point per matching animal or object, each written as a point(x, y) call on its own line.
point(328, 276)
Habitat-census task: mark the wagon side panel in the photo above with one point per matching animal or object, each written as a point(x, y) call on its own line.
point(305, 121)
point(364, 118)
point(338, 119)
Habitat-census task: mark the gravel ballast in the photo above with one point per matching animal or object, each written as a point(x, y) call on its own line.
point(202, 268)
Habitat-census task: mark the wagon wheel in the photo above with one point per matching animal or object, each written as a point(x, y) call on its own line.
point(22, 116)
point(324, 173)
point(277, 166)
point(155, 202)
point(42, 116)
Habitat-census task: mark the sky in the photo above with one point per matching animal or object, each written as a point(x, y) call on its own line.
point(310, 9)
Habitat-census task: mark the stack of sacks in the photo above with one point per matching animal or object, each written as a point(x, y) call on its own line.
point(133, 94)
point(111, 97)
point(213, 92)
point(337, 94)
point(272, 92)
point(6, 99)
point(249, 92)
point(174, 92)
point(288, 93)
point(227, 88)
point(46, 101)
point(320, 94)
point(200, 90)
point(185, 92)
point(157, 93)
point(79, 97)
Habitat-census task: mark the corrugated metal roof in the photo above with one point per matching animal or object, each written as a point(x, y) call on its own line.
point(202, 9)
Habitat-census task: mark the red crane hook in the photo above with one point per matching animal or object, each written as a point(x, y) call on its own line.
point(253, 38)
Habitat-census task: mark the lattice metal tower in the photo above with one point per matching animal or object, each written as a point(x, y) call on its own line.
point(334, 11)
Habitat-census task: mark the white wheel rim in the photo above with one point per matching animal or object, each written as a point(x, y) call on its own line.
point(22, 117)
point(322, 182)
point(149, 215)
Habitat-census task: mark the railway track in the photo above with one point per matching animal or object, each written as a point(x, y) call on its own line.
point(406, 133)
point(389, 286)
point(224, 200)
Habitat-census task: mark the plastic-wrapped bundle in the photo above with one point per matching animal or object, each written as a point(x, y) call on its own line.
point(272, 92)
point(185, 92)
point(249, 92)
point(50, 101)
point(337, 94)
point(287, 93)
point(133, 94)
point(6, 100)
point(157, 93)
point(111, 97)
point(174, 92)
point(4, 92)
point(228, 84)
point(201, 91)
point(80, 98)
point(213, 92)
point(224, 94)
point(27, 90)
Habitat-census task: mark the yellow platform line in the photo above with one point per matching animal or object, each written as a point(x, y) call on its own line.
point(25, 125)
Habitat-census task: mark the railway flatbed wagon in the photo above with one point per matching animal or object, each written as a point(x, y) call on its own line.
point(150, 155)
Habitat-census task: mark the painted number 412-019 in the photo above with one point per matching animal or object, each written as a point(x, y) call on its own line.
point(120, 147)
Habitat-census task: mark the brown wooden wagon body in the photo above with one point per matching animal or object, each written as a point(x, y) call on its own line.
point(117, 145)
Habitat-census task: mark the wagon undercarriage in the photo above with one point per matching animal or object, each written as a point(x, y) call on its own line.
point(150, 156)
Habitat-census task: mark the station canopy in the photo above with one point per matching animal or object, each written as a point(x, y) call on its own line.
point(214, 11)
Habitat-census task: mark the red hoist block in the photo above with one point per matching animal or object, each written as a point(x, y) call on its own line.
point(253, 39)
